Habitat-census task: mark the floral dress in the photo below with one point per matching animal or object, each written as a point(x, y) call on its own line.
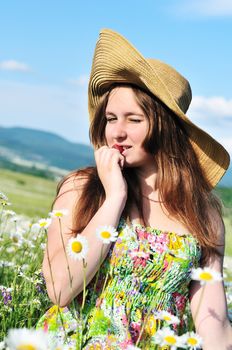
point(146, 271)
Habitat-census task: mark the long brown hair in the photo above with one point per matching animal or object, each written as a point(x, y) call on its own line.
point(181, 182)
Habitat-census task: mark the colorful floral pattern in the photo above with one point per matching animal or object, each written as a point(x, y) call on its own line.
point(147, 270)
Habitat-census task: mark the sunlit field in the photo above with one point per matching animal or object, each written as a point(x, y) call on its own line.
point(30, 195)
point(23, 298)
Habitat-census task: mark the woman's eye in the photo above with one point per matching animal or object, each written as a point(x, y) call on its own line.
point(110, 119)
point(135, 120)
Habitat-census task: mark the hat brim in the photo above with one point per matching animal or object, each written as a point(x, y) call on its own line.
point(116, 60)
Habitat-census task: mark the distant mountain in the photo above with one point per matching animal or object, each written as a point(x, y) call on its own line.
point(45, 153)
point(41, 149)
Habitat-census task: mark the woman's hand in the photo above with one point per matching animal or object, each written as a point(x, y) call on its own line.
point(109, 163)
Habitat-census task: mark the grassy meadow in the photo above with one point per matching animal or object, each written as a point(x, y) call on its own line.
point(225, 194)
point(30, 195)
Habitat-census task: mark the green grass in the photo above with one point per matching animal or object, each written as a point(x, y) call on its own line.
point(29, 195)
point(225, 194)
point(228, 225)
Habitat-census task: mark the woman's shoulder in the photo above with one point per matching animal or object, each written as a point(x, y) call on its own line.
point(218, 228)
point(75, 180)
point(217, 221)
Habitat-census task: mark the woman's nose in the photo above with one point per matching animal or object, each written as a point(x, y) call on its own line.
point(119, 131)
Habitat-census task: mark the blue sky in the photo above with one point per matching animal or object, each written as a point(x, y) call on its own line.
point(47, 46)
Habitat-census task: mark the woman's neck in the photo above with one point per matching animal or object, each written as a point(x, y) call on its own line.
point(147, 179)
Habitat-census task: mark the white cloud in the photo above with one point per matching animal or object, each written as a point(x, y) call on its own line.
point(13, 65)
point(227, 143)
point(208, 8)
point(59, 109)
point(214, 115)
point(218, 106)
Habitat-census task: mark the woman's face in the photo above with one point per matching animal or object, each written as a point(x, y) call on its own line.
point(127, 126)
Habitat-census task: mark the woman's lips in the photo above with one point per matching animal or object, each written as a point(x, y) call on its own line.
point(119, 148)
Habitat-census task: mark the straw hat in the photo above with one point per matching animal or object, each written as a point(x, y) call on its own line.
point(116, 60)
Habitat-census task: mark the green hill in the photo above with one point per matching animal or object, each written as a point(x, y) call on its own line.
point(31, 147)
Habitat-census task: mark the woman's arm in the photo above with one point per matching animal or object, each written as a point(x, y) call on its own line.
point(211, 321)
point(108, 214)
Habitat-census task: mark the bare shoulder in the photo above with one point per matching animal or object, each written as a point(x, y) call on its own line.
point(216, 261)
point(218, 225)
point(69, 193)
point(70, 189)
point(73, 182)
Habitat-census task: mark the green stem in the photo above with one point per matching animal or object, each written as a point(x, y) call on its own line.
point(104, 285)
point(84, 284)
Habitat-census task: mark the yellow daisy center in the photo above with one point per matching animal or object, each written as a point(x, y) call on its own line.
point(26, 347)
point(77, 247)
point(167, 318)
point(42, 224)
point(105, 234)
point(59, 214)
point(192, 341)
point(206, 276)
point(170, 339)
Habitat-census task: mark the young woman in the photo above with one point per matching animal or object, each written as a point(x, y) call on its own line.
point(153, 180)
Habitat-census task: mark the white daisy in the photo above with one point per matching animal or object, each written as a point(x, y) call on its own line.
point(2, 345)
point(9, 213)
point(192, 340)
point(3, 197)
point(14, 218)
point(43, 246)
point(16, 237)
point(6, 263)
point(58, 213)
point(107, 234)
point(34, 228)
point(11, 249)
point(43, 223)
point(132, 347)
point(27, 339)
point(77, 248)
point(167, 317)
point(165, 336)
point(5, 203)
point(206, 275)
